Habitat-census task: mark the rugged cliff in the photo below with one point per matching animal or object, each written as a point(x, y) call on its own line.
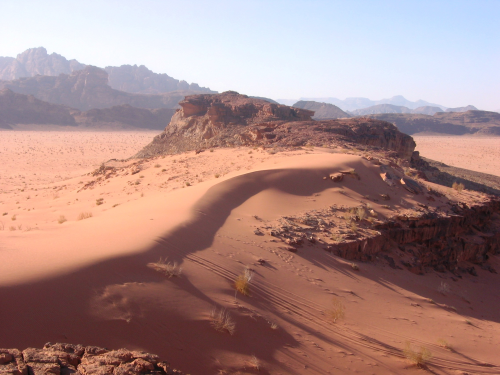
point(230, 119)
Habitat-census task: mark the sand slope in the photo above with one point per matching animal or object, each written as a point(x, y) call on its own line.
point(87, 281)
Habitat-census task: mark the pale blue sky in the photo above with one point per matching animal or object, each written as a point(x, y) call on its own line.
point(446, 52)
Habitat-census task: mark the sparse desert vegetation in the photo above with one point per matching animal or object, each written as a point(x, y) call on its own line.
point(169, 269)
point(336, 310)
point(418, 357)
point(221, 320)
point(84, 215)
point(242, 283)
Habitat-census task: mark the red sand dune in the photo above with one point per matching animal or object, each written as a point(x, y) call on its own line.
point(87, 281)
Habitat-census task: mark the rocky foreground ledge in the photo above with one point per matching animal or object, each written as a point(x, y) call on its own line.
point(66, 359)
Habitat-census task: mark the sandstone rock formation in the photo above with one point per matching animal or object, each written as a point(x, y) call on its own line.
point(80, 360)
point(459, 123)
point(26, 109)
point(141, 80)
point(322, 111)
point(86, 89)
point(231, 119)
point(36, 61)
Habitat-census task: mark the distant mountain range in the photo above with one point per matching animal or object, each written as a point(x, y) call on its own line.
point(352, 104)
point(389, 108)
point(128, 78)
point(458, 123)
point(462, 109)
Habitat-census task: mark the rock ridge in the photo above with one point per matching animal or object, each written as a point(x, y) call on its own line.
point(231, 120)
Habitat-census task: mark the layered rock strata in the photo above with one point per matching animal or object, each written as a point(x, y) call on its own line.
point(231, 120)
point(80, 360)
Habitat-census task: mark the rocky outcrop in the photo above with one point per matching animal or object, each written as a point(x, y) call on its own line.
point(322, 111)
point(36, 61)
point(434, 239)
point(141, 80)
point(231, 120)
point(26, 109)
point(458, 123)
point(80, 360)
point(86, 89)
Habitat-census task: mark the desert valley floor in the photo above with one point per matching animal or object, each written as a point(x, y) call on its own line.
point(76, 243)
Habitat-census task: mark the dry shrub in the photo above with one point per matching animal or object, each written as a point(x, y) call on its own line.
point(354, 266)
point(99, 201)
point(354, 226)
point(337, 311)
point(254, 362)
point(242, 283)
point(157, 166)
point(169, 269)
point(221, 321)
point(458, 186)
point(274, 326)
point(419, 358)
point(361, 213)
point(13, 218)
point(61, 219)
point(84, 215)
point(444, 344)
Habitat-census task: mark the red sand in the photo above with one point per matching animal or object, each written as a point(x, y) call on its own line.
point(88, 282)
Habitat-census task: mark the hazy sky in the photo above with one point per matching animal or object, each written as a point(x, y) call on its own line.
point(446, 52)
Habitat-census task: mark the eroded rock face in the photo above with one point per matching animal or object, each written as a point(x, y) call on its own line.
point(432, 239)
point(79, 360)
point(207, 115)
point(231, 120)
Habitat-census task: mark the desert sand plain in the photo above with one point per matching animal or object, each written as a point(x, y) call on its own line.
point(87, 281)
point(481, 154)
